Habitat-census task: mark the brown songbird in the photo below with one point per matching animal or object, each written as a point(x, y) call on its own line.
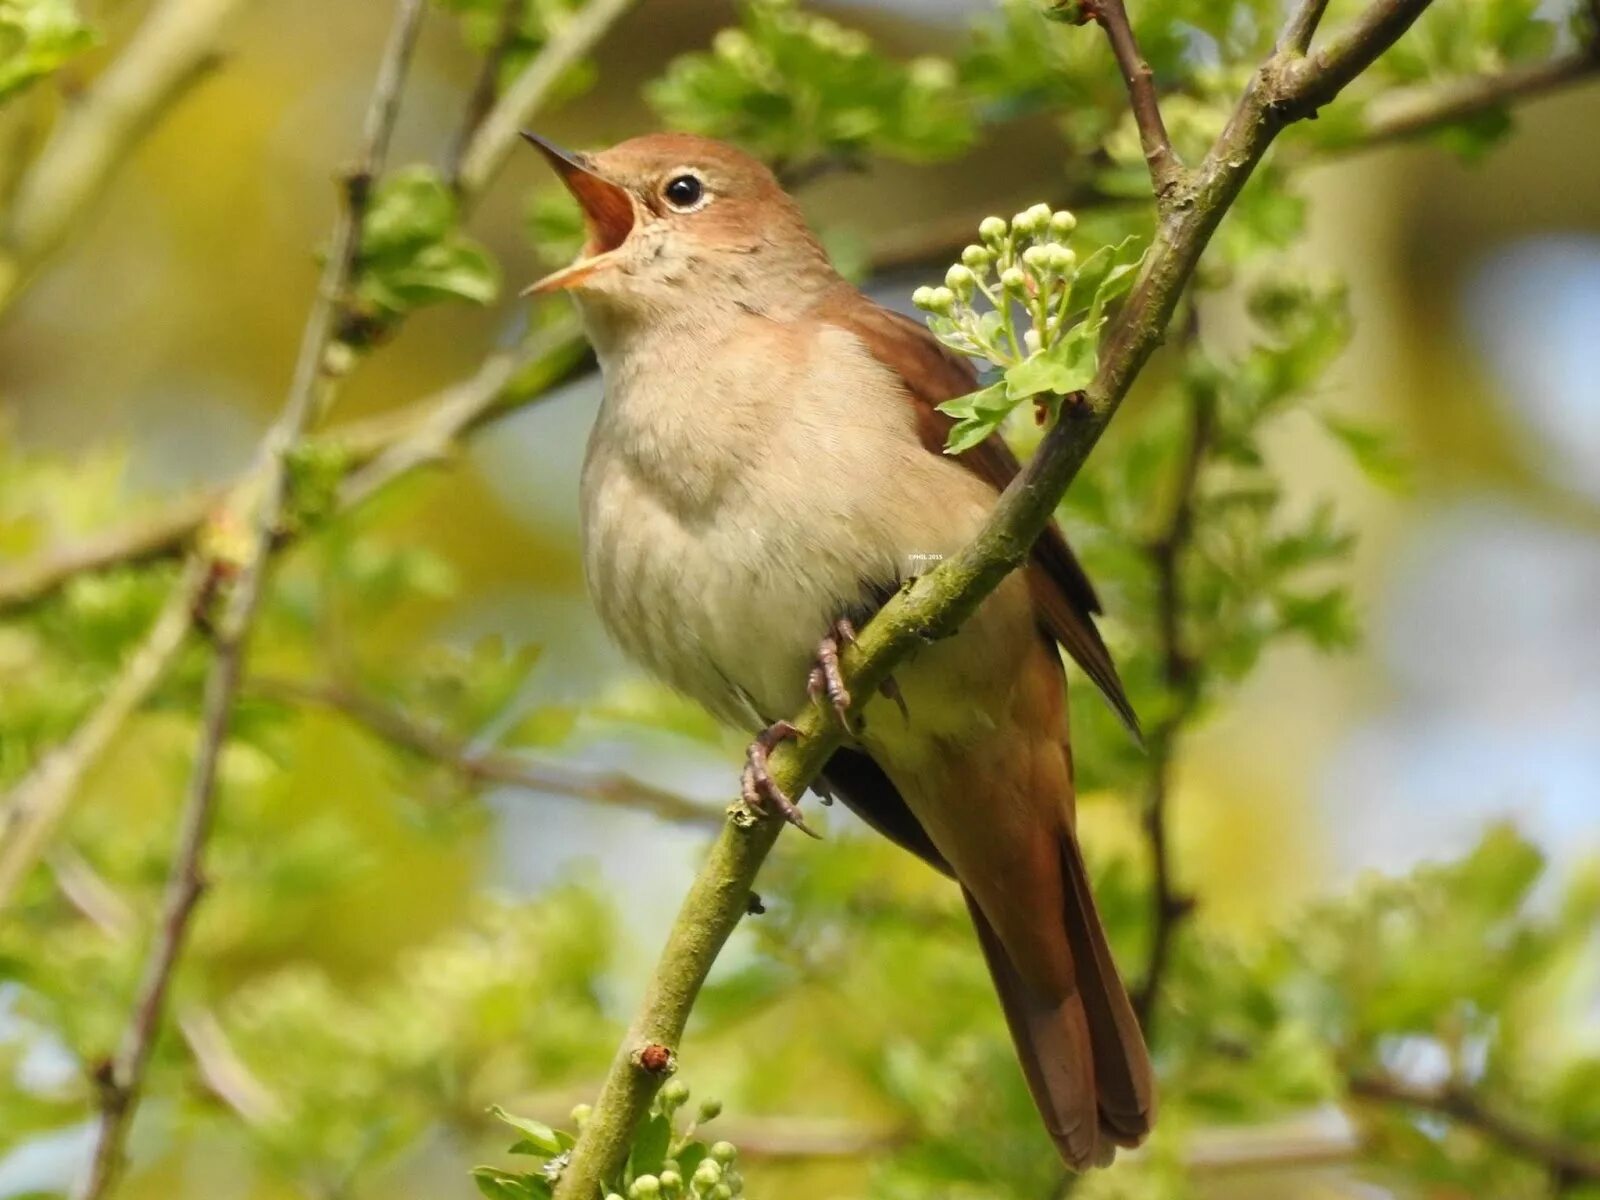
point(767, 468)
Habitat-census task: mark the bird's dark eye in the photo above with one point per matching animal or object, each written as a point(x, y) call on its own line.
point(684, 191)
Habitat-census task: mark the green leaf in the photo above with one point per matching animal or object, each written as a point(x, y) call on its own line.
point(412, 207)
point(508, 1185)
point(548, 725)
point(535, 1134)
point(412, 252)
point(1104, 275)
point(650, 1147)
point(1067, 366)
point(964, 435)
point(1372, 451)
point(985, 402)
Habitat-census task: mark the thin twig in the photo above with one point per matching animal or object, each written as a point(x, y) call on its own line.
point(1306, 83)
point(219, 1064)
point(484, 89)
point(1170, 906)
point(33, 810)
point(1302, 26)
point(173, 48)
point(1167, 173)
point(1411, 112)
point(121, 1082)
point(498, 132)
point(1570, 1159)
point(936, 604)
point(481, 766)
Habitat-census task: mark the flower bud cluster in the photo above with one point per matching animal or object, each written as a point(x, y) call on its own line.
point(1024, 263)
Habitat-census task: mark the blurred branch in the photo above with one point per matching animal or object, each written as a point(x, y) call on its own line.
point(486, 766)
point(936, 604)
point(484, 89)
point(161, 534)
point(121, 1080)
point(1569, 1160)
point(219, 1064)
point(1167, 173)
point(34, 808)
point(497, 133)
point(420, 434)
point(173, 48)
point(1169, 906)
point(1410, 112)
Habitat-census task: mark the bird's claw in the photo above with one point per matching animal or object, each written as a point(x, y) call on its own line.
point(757, 787)
point(826, 678)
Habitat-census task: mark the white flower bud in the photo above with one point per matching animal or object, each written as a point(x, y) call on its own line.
point(1062, 223)
point(1031, 341)
point(671, 1182)
point(960, 280)
point(1037, 259)
point(708, 1173)
point(1062, 260)
point(674, 1093)
point(923, 298)
point(1013, 280)
point(724, 1152)
point(992, 229)
point(941, 301)
point(1039, 217)
point(721, 1192)
point(977, 257)
point(580, 1114)
point(645, 1188)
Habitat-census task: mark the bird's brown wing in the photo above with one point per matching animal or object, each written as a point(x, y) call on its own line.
point(931, 374)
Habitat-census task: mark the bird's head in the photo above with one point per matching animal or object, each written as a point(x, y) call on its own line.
point(679, 224)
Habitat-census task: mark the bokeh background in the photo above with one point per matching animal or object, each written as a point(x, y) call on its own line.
point(148, 358)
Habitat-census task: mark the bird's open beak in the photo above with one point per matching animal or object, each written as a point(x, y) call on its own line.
point(607, 213)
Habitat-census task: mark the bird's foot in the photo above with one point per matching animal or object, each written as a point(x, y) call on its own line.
point(759, 790)
point(826, 679)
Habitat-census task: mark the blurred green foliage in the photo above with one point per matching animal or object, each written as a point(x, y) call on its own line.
point(797, 88)
point(355, 997)
point(36, 38)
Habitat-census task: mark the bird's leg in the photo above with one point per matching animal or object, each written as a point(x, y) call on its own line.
point(759, 790)
point(826, 679)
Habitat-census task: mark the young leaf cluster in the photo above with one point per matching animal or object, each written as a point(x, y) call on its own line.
point(795, 88)
point(414, 254)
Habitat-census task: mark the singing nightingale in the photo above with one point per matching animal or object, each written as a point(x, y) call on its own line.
point(767, 467)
